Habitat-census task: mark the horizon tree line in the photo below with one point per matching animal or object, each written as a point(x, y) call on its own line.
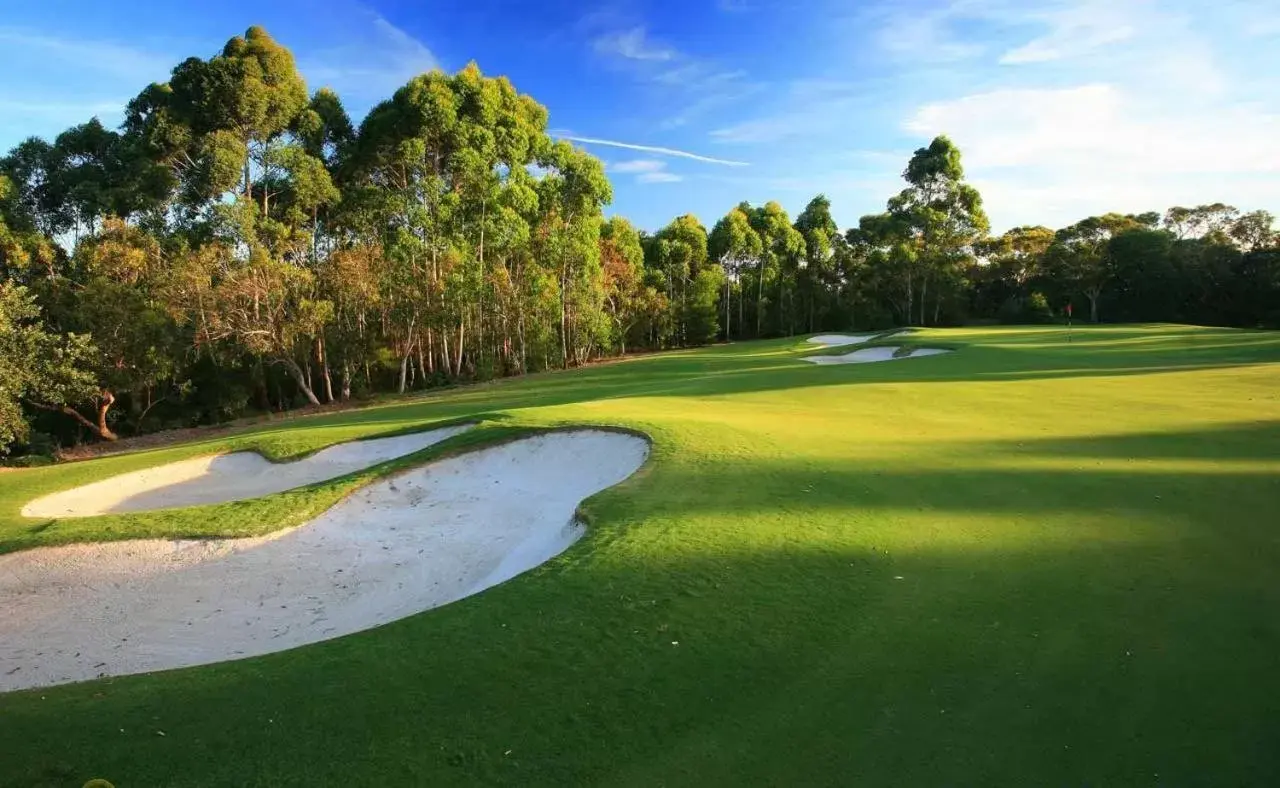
point(238, 244)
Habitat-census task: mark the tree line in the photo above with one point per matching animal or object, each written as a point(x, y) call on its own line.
point(238, 244)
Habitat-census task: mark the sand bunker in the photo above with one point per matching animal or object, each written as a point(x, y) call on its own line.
point(839, 340)
point(871, 354)
point(402, 545)
point(227, 477)
point(836, 340)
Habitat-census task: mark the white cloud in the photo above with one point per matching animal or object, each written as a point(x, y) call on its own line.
point(659, 177)
point(645, 170)
point(1049, 30)
point(684, 86)
point(376, 59)
point(809, 108)
point(98, 56)
point(651, 149)
point(925, 36)
point(70, 111)
point(631, 44)
point(1075, 29)
point(1056, 155)
point(638, 165)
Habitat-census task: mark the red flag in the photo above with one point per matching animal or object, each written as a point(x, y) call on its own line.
point(1068, 310)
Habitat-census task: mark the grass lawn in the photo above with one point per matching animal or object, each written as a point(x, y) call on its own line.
point(1026, 562)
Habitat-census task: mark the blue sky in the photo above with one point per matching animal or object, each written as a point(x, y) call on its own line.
point(1063, 108)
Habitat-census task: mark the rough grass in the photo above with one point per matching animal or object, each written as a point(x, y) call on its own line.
point(1027, 562)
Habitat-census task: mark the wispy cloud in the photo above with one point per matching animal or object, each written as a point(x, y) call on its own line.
point(73, 111)
point(638, 166)
point(1073, 30)
point(1050, 29)
point(687, 86)
point(683, 154)
point(661, 176)
point(377, 58)
point(646, 170)
point(805, 108)
point(98, 56)
point(632, 44)
point(924, 36)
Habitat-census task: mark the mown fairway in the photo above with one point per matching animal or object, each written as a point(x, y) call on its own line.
point(1024, 563)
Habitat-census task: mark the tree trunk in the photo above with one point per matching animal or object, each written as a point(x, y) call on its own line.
point(457, 366)
point(300, 378)
point(106, 400)
point(759, 297)
point(260, 384)
point(742, 297)
point(324, 368)
point(524, 349)
point(564, 340)
point(924, 291)
point(404, 371)
point(911, 295)
point(100, 428)
point(1093, 295)
point(726, 306)
point(346, 382)
point(445, 363)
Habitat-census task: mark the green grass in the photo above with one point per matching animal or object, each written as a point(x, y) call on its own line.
point(1027, 562)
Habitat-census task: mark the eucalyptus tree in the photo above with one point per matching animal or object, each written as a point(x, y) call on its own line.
point(819, 230)
point(571, 197)
point(735, 244)
point(1079, 257)
point(44, 369)
point(679, 252)
point(781, 245)
point(622, 263)
point(941, 214)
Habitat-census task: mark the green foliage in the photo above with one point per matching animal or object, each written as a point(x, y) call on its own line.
point(36, 367)
point(237, 244)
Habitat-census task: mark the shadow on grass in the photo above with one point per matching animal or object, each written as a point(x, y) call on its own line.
point(775, 365)
point(827, 665)
point(818, 626)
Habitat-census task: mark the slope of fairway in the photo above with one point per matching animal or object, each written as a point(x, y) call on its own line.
point(1026, 562)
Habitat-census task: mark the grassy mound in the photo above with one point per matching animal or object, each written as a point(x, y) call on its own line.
point(1026, 562)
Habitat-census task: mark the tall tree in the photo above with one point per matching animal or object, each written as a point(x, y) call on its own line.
point(819, 230)
point(735, 244)
point(781, 246)
point(941, 214)
point(1079, 256)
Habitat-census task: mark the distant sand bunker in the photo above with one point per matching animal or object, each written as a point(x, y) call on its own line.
point(872, 354)
point(227, 477)
point(415, 541)
point(840, 340)
point(837, 340)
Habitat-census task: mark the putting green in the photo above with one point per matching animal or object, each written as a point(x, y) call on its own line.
point(1023, 562)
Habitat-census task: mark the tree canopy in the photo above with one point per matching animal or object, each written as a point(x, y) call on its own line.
point(238, 244)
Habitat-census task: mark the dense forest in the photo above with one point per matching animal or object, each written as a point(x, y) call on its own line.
point(238, 245)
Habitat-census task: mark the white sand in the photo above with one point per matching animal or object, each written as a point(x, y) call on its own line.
point(402, 545)
point(836, 340)
point(872, 354)
point(227, 477)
